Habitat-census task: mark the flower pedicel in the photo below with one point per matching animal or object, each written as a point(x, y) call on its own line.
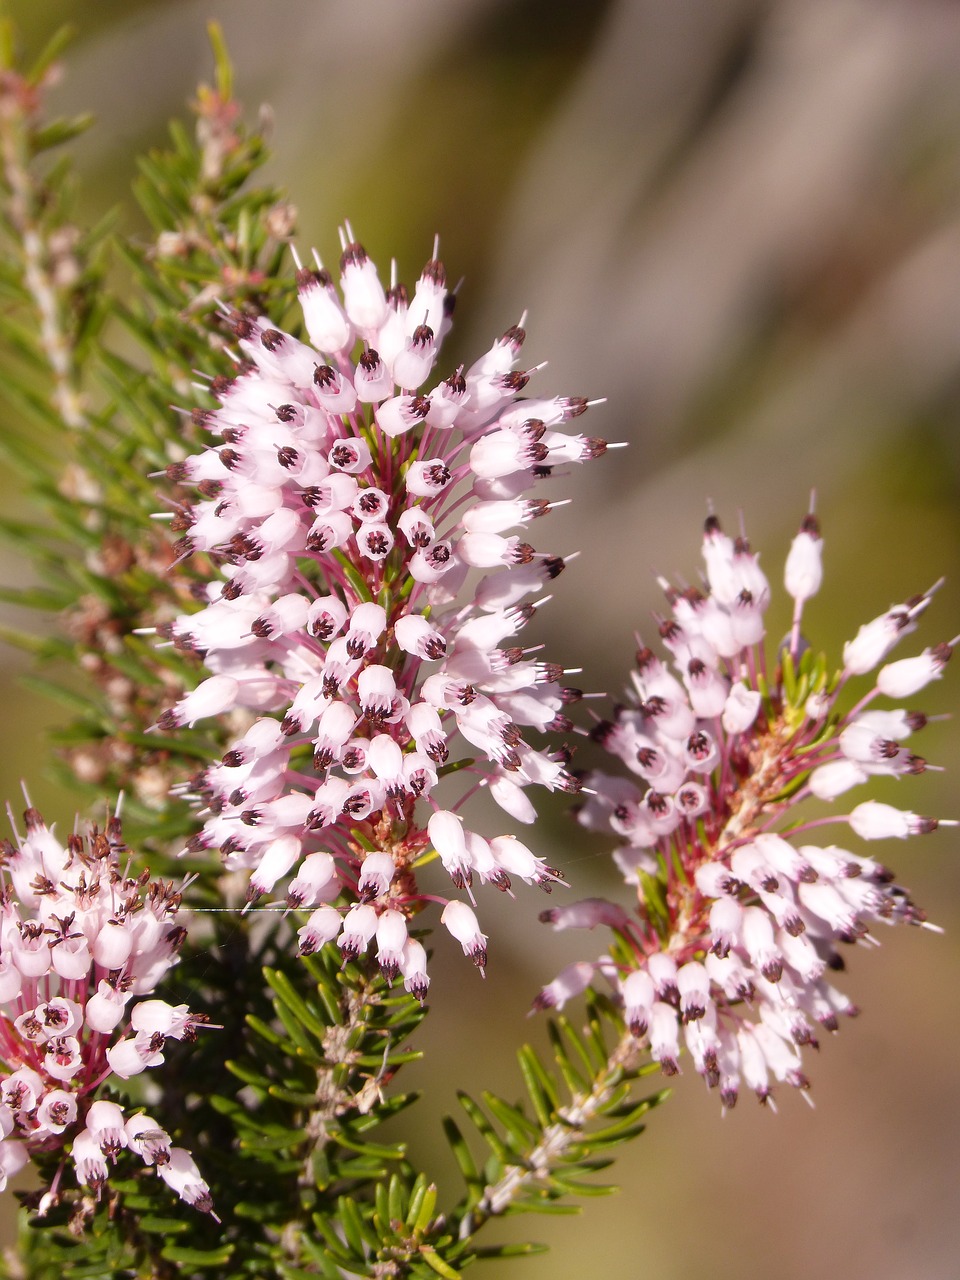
point(739, 920)
point(348, 497)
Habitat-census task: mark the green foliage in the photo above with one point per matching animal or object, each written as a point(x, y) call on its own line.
point(539, 1153)
point(283, 1103)
point(102, 336)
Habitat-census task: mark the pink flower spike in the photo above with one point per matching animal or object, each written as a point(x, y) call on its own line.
point(75, 1043)
point(345, 492)
point(745, 923)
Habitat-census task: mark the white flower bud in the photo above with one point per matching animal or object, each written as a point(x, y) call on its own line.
point(664, 1033)
point(834, 778)
point(461, 922)
point(181, 1174)
point(112, 945)
point(327, 326)
point(359, 926)
point(803, 572)
point(391, 938)
point(363, 297)
point(104, 1010)
point(571, 981)
point(741, 708)
point(908, 676)
point(322, 927)
point(875, 821)
point(512, 799)
point(211, 697)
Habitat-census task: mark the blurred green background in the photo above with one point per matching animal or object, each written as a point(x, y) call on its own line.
point(739, 221)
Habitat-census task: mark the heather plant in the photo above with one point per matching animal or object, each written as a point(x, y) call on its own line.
point(292, 559)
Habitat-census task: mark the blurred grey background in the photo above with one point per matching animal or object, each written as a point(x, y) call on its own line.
point(739, 221)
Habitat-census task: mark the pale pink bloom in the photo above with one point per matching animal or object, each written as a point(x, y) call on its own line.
point(323, 926)
point(908, 676)
point(208, 699)
point(588, 913)
point(737, 949)
point(88, 1160)
point(875, 821)
point(13, 1157)
point(359, 926)
point(570, 981)
point(391, 939)
point(105, 1124)
point(376, 873)
point(354, 494)
point(317, 874)
point(146, 1137)
point(179, 1172)
point(803, 572)
point(57, 1110)
point(413, 967)
point(458, 919)
point(102, 936)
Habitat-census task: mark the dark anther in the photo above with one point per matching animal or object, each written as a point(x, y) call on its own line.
point(434, 272)
point(711, 525)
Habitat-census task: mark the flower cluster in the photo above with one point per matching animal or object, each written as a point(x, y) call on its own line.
point(347, 506)
point(80, 941)
point(738, 918)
